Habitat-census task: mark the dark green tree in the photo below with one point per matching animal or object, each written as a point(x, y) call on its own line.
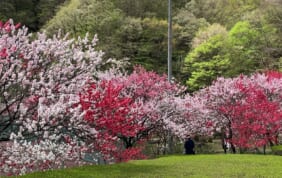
point(31, 13)
point(224, 12)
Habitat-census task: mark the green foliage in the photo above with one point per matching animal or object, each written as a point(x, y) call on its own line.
point(143, 40)
point(205, 34)
point(137, 29)
point(273, 17)
point(82, 16)
point(94, 16)
point(280, 64)
point(189, 24)
point(153, 45)
point(242, 34)
point(142, 9)
point(31, 13)
point(46, 9)
point(253, 42)
point(225, 12)
point(244, 52)
point(246, 48)
point(147, 8)
point(20, 10)
point(276, 147)
point(207, 61)
point(179, 166)
point(277, 150)
point(252, 47)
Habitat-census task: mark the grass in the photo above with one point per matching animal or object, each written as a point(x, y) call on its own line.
point(200, 166)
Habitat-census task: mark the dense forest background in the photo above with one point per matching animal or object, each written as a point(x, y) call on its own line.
point(211, 38)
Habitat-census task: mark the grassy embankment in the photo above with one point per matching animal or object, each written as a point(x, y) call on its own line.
point(201, 166)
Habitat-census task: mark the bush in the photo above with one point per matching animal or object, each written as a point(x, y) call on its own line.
point(277, 150)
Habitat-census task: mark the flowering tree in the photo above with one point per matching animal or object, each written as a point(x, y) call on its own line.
point(261, 110)
point(40, 82)
point(246, 109)
point(126, 109)
point(108, 113)
point(256, 120)
point(53, 108)
point(51, 104)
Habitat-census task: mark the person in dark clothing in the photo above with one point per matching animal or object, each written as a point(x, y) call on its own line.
point(189, 146)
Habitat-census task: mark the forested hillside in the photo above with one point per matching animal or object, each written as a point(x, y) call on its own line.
point(32, 13)
point(210, 38)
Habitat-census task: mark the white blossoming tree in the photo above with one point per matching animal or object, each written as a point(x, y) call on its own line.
point(40, 79)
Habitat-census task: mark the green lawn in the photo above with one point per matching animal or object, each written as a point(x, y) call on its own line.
point(201, 166)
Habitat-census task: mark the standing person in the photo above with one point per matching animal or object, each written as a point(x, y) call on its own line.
point(224, 145)
point(189, 146)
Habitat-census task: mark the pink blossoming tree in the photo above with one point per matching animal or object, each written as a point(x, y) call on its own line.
point(40, 81)
point(247, 110)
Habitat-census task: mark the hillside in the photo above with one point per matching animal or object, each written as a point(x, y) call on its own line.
point(245, 36)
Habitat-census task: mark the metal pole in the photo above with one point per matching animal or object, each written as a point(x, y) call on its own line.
point(169, 54)
point(169, 68)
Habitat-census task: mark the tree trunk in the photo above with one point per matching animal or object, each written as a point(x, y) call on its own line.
point(233, 149)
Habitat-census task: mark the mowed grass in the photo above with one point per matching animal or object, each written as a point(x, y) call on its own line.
point(201, 166)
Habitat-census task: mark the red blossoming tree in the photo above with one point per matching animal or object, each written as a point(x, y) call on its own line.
point(125, 110)
point(247, 110)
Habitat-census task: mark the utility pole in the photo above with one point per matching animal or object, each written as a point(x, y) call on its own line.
point(169, 46)
point(169, 68)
